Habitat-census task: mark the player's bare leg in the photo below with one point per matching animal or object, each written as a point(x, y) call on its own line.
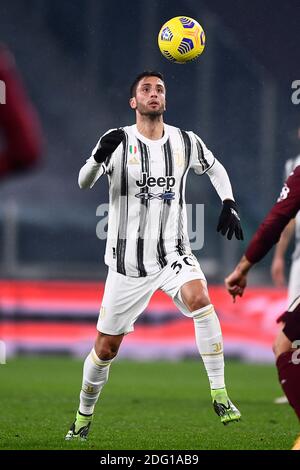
point(282, 348)
point(287, 353)
point(194, 295)
point(280, 345)
point(288, 373)
point(107, 346)
point(95, 375)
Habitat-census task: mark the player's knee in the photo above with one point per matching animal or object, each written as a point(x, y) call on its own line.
point(197, 301)
point(281, 344)
point(106, 347)
point(194, 295)
point(279, 349)
point(106, 353)
point(274, 348)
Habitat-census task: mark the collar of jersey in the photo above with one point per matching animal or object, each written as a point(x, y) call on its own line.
point(161, 141)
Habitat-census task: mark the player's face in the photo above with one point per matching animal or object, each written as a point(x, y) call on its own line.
point(150, 98)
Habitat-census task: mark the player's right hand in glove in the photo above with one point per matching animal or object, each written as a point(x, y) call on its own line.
point(108, 144)
point(229, 221)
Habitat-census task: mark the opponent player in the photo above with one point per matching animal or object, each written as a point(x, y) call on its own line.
point(21, 139)
point(288, 340)
point(292, 230)
point(147, 245)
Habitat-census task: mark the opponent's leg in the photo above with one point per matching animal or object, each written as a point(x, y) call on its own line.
point(287, 352)
point(279, 346)
point(293, 293)
point(288, 365)
point(296, 445)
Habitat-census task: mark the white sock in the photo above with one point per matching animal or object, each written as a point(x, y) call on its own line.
point(95, 376)
point(210, 344)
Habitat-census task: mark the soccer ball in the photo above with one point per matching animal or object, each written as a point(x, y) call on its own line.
point(181, 39)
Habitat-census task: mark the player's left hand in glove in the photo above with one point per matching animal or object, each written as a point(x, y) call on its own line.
point(229, 221)
point(108, 144)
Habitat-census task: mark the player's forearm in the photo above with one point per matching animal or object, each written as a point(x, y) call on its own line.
point(89, 173)
point(279, 216)
point(220, 180)
point(244, 265)
point(266, 236)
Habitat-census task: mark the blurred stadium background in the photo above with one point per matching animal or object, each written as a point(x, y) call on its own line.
point(77, 60)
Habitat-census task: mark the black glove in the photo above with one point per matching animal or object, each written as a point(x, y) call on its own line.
point(108, 144)
point(229, 220)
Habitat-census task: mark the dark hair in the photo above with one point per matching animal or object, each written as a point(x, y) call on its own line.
point(147, 73)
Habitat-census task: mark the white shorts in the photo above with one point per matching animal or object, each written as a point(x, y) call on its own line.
point(125, 297)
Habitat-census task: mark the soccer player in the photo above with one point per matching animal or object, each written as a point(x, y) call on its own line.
point(292, 230)
point(147, 244)
point(20, 130)
point(288, 340)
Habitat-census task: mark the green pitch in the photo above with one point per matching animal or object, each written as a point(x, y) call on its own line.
point(145, 406)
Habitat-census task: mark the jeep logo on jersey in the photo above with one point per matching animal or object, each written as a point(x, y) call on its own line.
point(166, 182)
point(151, 181)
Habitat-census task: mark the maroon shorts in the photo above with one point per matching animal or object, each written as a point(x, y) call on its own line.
point(291, 318)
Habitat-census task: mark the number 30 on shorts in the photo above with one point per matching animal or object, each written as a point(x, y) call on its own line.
point(188, 260)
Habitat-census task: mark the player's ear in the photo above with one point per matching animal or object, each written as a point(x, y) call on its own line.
point(132, 103)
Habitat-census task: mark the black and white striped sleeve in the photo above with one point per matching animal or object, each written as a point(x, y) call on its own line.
point(202, 158)
point(203, 161)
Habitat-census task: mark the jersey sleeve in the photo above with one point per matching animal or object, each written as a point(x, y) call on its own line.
point(202, 159)
point(92, 170)
point(285, 209)
point(220, 180)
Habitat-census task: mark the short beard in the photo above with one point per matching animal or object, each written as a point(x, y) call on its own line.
point(152, 115)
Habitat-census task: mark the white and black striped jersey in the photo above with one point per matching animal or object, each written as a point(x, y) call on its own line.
point(147, 222)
